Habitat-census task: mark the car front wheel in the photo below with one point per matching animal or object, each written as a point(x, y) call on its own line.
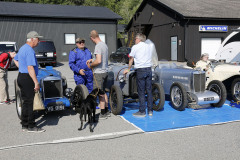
point(80, 93)
point(219, 88)
point(235, 89)
point(178, 96)
point(19, 102)
point(116, 100)
point(158, 97)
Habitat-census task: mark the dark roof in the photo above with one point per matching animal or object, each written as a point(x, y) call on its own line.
point(209, 9)
point(204, 8)
point(56, 11)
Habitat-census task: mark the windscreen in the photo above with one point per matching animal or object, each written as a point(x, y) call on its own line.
point(7, 48)
point(45, 46)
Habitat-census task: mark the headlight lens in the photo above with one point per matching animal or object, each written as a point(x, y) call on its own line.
point(121, 78)
point(154, 77)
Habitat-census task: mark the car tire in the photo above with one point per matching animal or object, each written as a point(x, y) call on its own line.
point(158, 97)
point(19, 102)
point(178, 96)
point(219, 88)
point(80, 93)
point(116, 100)
point(64, 84)
point(54, 64)
point(42, 65)
point(235, 89)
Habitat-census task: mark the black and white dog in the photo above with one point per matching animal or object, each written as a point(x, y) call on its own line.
point(88, 107)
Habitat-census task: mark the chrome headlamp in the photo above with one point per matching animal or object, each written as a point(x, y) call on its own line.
point(121, 78)
point(154, 77)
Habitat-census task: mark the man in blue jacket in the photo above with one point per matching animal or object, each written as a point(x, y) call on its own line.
point(77, 62)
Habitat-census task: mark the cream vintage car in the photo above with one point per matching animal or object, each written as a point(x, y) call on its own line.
point(227, 73)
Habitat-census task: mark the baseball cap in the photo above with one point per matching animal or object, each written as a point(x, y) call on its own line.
point(79, 40)
point(33, 34)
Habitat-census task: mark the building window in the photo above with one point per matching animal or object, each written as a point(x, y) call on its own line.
point(70, 38)
point(102, 36)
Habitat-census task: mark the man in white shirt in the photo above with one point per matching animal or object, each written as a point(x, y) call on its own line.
point(142, 57)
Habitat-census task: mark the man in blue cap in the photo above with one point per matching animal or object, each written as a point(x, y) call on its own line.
point(27, 80)
point(77, 62)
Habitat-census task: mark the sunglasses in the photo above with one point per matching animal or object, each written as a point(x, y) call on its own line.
point(81, 42)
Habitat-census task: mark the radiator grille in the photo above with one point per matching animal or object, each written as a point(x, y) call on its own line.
point(199, 82)
point(52, 88)
point(133, 84)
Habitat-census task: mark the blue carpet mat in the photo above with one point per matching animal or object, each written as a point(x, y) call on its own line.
point(170, 118)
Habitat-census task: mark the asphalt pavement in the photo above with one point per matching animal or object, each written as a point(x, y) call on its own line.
point(113, 138)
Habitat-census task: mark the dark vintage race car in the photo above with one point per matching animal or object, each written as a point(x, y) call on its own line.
point(123, 89)
point(53, 90)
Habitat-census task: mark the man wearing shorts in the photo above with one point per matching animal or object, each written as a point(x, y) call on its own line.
point(99, 65)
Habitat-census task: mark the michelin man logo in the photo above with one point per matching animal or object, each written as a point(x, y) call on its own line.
point(202, 28)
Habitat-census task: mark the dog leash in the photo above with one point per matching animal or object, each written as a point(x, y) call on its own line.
point(96, 85)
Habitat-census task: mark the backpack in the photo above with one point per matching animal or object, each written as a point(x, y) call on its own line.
point(5, 59)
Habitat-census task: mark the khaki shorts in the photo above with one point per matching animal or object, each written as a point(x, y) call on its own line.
point(101, 79)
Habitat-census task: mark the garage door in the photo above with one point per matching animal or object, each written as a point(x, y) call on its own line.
point(210, 46)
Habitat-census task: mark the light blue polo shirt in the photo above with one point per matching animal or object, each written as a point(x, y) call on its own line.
point(26, 57)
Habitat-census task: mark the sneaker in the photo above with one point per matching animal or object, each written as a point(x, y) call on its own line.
point(24, 128)
point(36, 129)
point(108, 114)
point(103, 116)
point(150, 113)
point(11, 100)
point(8, 102)
point(5, 102)
point(139, 114)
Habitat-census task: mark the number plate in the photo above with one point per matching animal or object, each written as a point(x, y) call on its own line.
point(55, 108)
point(49, 54)
point(209, 99)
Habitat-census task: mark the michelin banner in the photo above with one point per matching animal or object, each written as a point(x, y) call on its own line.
point(209, 28)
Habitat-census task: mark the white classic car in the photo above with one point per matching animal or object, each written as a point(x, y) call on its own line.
point(229, 74)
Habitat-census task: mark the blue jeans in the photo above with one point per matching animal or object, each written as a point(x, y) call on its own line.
point(144, 82)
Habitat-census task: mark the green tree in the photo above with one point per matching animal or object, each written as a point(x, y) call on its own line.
point(125, 8)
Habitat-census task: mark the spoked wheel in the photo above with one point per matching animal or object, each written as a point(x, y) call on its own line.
point(18, 98)
point(219, 88)
point(158, 97)
point(178, 96)
point(80, 93)
point(235, 89)
point(116, 100)
point(64, 84)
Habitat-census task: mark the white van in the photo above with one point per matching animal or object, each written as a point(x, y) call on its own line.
point(6, 46)
point(229, 51)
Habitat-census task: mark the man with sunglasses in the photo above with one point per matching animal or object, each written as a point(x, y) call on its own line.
point(77, 62)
